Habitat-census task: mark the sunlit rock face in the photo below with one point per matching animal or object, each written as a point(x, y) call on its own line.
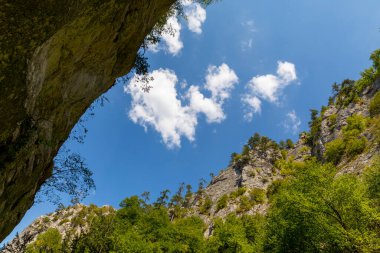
point(56, 58)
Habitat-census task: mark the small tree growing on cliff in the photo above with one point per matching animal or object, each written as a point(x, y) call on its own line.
point(70, 176)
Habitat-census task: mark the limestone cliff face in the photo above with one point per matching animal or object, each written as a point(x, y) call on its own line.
point(330, 131)
point(56, 58)
point(71, 222)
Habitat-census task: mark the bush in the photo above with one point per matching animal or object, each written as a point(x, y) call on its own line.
point(49, 241)
point(375, 129)
point(355, 122)
point(245, 205)
point(237, 193)
point(257, 196)
point(335, 151)
point(372, 180)
point(374, 106)
point(222, 202)
point(332, 121)
point(355, 146)
point(206, 205)
point(274, 187)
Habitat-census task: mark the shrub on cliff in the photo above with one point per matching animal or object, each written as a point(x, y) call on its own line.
point(374, 106)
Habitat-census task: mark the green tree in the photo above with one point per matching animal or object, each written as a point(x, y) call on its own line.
point(47, 242)
point(318, 212)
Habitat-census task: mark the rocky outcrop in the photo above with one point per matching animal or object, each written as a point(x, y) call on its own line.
point(56, 58)
point(330, 131)
point(71, 222)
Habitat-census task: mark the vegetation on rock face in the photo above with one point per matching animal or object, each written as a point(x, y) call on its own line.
point(260, 146)
point(312, 211)
point(351, 144)
point(50, 241)
point(374, 106)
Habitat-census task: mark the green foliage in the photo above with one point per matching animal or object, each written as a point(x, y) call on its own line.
point(355, 146)
point(332, 121)
point(335, 150)
point(374, 106)
point(244, 204)
point(274, 187)
point(374, 129)
point(222, 202)
point(206, 205)
point(287, 166)
point(352, 143)
point(347, 93)
point(372, 180)
point(257, 196)
point(311, 211)
point(315, 127)
point(368, 76)
point(318, 212)
point(140, 227)
point(235, 194)
point(355, 123)
point(289, 144)
point(49, 241)
point(237, 234)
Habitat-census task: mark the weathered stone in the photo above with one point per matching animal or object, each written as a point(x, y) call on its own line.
point(56, 58)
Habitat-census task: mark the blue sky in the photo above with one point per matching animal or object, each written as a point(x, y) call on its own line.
point(286, 54)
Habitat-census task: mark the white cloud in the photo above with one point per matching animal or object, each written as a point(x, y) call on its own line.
point(162, 109)
point(287, 72)
point(195, 15)
point(253, 106)
point(269, 87)
point(292, 122)
point(200, 104)
point(220, 81)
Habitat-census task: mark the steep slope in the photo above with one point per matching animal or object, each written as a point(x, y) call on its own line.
point(56, 58)
point(71, 222)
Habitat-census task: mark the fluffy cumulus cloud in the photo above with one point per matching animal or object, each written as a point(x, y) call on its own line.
point(163, 109)
point(219, 82)
point(292, 123)
point(268, 87)
point(209, 107)
point(195, 15)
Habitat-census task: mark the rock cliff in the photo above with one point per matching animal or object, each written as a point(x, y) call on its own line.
point(70, 222)
point(56, 58)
